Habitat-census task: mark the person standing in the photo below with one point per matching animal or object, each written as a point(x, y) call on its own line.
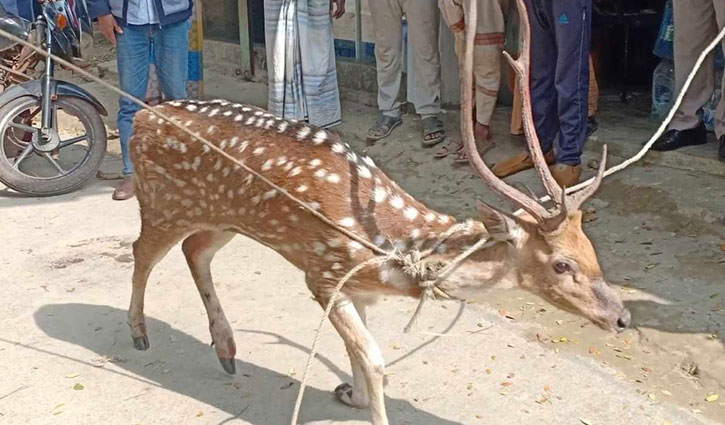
point(560, 39)
point(134, 27)
point(697, 23)
point(423, 21)
point(301, 60)
point(487, 55)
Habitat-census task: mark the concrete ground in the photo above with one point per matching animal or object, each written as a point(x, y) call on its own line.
point(510, 359)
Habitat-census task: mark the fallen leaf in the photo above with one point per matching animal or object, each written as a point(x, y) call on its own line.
point(586, 422)
point(504, 392)
point(666, 423)
point(542, 400)
point(479, 416)
point(592, 349)
point(59, 406)
point(506, 384)
point(628, 340)
point(78, 387)
point(712, 397)
point(716, 307)
point(201, 413)
point(469, 387)
point(238, 383)
point(488, 371)
point(292, 372)
point(559, 322)
point(73, 375)
point(651, 396)
point(650, 266)
point(547, 388)
point(665, 392)
point(722, 247)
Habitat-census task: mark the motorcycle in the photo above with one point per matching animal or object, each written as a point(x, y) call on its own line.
point(52, 137)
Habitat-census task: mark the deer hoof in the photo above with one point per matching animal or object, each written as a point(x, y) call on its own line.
point(343, 392)
point(228, 365)
point(141, 343)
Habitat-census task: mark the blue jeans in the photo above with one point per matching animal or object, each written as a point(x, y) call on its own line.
point(171, 52)
point(560, 37)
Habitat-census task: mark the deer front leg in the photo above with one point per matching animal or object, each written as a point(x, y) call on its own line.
point(150, 247)
point(199, 250)
point(365, 351)
point(357, 394)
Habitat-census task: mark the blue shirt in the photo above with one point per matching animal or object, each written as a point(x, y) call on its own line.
point(141, 12)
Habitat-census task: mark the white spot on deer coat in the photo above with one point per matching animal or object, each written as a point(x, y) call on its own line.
point(338, 148)
point(301, 188)
point(320, 137)
point(270, 194)
point(315, 162)
point(303, 133)
point(397, 202)
point(333, 178)
point(411, 213)
point(379, 194)
point(364, 172)
point(258, 151)
point(267, 165)
point(430, 217)
point(295, 171)
point(347, 222)
point(238, 118)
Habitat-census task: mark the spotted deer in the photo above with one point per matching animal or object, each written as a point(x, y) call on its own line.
point(188, 192)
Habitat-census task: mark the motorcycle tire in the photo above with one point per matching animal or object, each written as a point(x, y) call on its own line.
point(61, 184)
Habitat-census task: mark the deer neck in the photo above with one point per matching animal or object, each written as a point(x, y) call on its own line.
point(491, 265)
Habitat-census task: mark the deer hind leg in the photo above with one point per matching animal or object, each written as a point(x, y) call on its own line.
point(199, 250)
point(355, 395)
point(365, 351)
point(150, 247)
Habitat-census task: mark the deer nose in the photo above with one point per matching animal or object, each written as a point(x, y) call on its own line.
point(624, 321)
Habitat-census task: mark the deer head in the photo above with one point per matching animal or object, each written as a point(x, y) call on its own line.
point(552, 256)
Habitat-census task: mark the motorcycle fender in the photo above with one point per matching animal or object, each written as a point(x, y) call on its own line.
point(62, 88)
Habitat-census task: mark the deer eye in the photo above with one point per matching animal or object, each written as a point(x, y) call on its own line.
point(562, 267)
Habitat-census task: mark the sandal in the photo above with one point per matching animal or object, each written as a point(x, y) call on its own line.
point(383, 127)
point(462, 156)
point(451, 148)
point(432, 126)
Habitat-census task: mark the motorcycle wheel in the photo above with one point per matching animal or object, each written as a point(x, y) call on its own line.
point(81, 138)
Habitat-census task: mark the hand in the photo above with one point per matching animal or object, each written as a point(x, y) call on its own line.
point(109, 27)
point(340, 10)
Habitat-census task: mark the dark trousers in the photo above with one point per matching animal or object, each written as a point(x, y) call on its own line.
point(560, 38)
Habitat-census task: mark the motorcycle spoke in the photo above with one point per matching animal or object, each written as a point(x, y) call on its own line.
point(23, 126)
point(22, 156)
point(65, 143)
point(55, 163)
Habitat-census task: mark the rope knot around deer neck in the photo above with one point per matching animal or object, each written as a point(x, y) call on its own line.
point(417, 267)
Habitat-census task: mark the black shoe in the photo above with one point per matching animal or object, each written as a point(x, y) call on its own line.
point(721, 150)
point(675, 139)
point(592, 126)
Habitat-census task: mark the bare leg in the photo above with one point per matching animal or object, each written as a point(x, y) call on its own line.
point(365, 351)
point(199, 250)
point(357, 394)
point(148, 250)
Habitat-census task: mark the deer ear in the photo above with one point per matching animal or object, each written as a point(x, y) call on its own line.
point(499, 224)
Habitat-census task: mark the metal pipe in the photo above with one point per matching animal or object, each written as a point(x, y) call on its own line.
point(358, 30)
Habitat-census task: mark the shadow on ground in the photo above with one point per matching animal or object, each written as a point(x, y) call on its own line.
point(101, 329)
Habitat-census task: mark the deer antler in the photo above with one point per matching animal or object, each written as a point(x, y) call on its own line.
point(549, 221)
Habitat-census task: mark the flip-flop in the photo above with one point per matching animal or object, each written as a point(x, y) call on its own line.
point(383, 128)
point(462, 156)
point(451, 148)
point(431, 126)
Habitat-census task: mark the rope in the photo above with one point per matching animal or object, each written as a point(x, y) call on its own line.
point(662, 128)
